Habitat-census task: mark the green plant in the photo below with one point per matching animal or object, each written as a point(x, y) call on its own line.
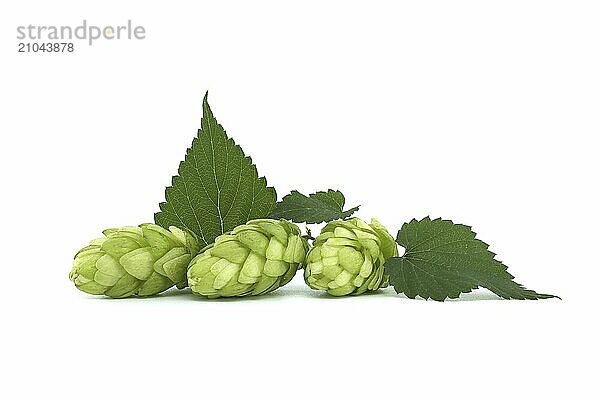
point(348, 257)
point(255, 258)
point(218, 201)
point(133, 260)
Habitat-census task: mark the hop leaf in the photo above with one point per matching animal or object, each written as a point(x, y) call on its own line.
point(317, 207)
point(443, 260)
point(217, 188)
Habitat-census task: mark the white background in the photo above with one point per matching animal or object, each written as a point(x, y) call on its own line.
point(483, 112)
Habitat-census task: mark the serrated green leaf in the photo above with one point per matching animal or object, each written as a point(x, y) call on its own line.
point(443, 260)
point(217, 188)
point(313, 209)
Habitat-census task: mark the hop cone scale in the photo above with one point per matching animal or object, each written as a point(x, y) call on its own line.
point(133, 260)
point(255, 258)
point(348, 257)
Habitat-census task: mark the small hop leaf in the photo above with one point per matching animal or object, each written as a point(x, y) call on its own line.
point(217, 188)
point(443, 260)
point(313, 209)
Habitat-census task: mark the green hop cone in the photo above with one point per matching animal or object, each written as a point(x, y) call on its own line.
point(132, 260)
point(348, 257)
point(255, 258)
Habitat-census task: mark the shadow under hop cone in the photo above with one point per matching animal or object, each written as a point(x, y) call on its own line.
point(143, 261)
point(255, 258)
point(348, 257)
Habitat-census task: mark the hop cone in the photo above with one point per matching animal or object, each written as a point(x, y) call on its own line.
point(255, 258)
point(348, 257)
point(128, 261)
